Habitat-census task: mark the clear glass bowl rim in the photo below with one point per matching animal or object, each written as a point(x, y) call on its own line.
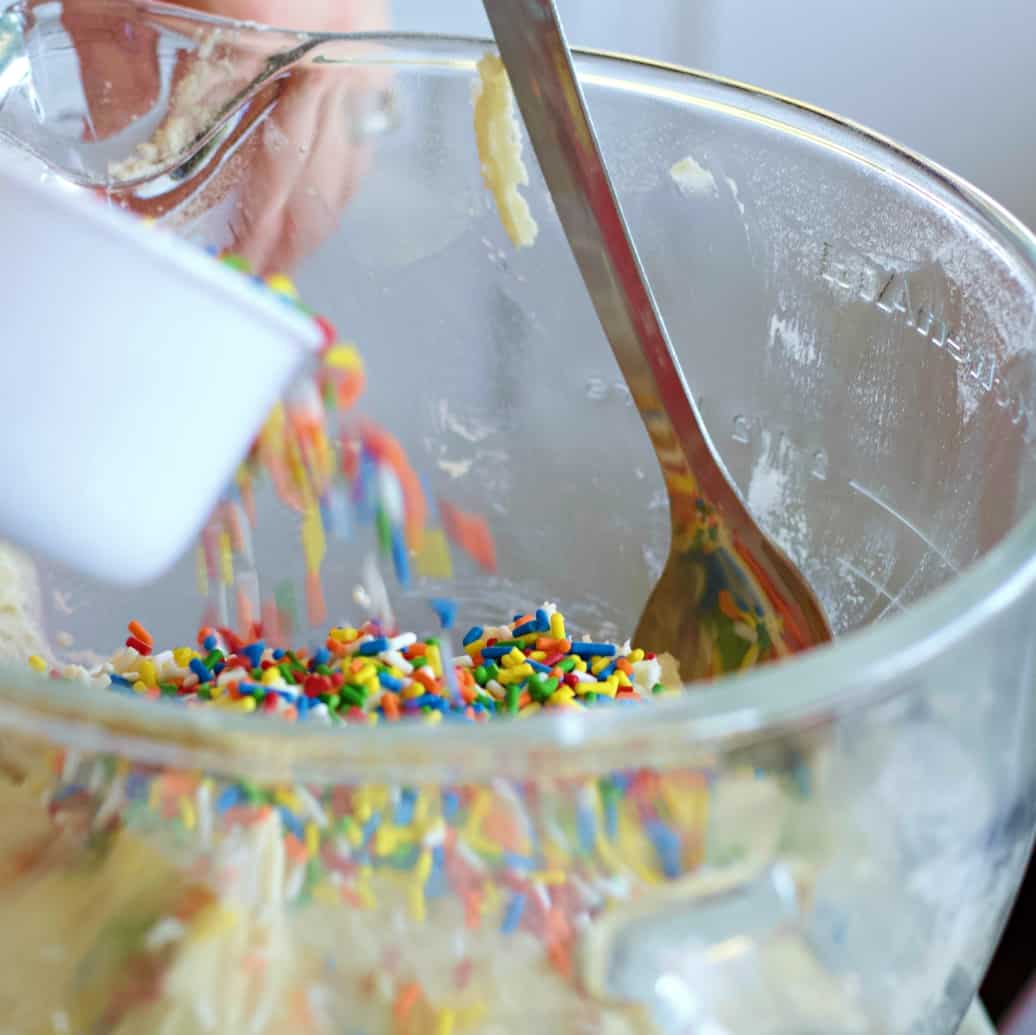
point(860, 669)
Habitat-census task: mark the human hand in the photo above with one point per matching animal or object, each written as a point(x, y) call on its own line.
point(287, 197)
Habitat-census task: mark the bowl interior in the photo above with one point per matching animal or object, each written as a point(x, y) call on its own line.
point(858, 337)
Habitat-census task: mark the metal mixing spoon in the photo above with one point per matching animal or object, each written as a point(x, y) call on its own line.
point(728, 596)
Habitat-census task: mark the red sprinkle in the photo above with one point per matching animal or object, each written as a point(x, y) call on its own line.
point(138, 645)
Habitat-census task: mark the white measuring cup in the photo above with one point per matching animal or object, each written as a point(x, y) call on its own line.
point(136, 369)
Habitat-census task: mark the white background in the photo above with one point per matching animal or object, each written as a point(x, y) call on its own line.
point(955, 81)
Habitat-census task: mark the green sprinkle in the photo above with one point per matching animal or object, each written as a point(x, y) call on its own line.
point(214, 657)
point(658, 688)
point(567, 665)
point(481, 675)
point(512, 698)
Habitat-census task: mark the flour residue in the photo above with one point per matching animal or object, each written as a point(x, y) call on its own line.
point(692, 178)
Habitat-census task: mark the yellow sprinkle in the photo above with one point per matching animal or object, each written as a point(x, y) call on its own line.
point(272, 677)
point(423, 869)
point(557, 626)
point(551, 877)
point(471, 1016)
point(288, 798)
point(344, 635)
point(580, 665)
point(314, 544)
point(433, 560)
point(478, 811)
point(212, 921)
point(623, 679)
point(529, 709)
point(434, 659)
point(475, 646)
point(344, 357)
point(146, 670)
point(372, 719)
point(37, 663)
point(445, 1022)
point(514, 657)
point(416, 690)
point(537, 655)
point(561, 696)
point(282, 284)
point(514, 675)
point(201, 572)
point(598, 665)
point(751, 656)
point(433, 718)
point(226, 558)
point(140, 687)
point(610, 687)
point(187, 814)
point(636, 655)
point(312, 839)
point(183, 655)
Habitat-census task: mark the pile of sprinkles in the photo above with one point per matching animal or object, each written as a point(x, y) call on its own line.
point(368, 675)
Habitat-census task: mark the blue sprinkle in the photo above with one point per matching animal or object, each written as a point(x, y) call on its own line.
point(537, 666)
point(405, 807)
point(119, 680)
point(518, 617)
point(542, 620)
point(291, 822)
point(375, 646)
point(210, 642)
point(667, 847)
point(278, 654)
point(390, 682)
point(525, 628)
point(493, 653)
point(228, 798)
point(450, 805)
point(513, 915)
point(445, 610)
point(371, 827)
point(250, 689)
point(322, 656)
point(518, 862)
point(433, 701)
point(606, 672)
point(400, 557)
point(436, 884)
point(201, 670)
point(473, 634)
point(611, 817)
point(587, 829)
point(586, 649)
point(254, 653)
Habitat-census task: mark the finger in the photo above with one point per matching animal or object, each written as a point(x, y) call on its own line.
point(118, 62)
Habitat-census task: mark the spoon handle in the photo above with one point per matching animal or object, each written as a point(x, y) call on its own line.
point(539, 64)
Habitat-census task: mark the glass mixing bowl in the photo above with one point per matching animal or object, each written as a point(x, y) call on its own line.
point(826, 846)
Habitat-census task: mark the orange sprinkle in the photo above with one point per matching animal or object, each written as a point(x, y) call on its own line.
point(204, 633)
point(727, 605)
point(406, 1000)
point(426, 679)
point(316, 608)
point(295, 849)
point(390, 706)
point(472, 910)
point(136, 629)
point(624, 665)
point(245, 615)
